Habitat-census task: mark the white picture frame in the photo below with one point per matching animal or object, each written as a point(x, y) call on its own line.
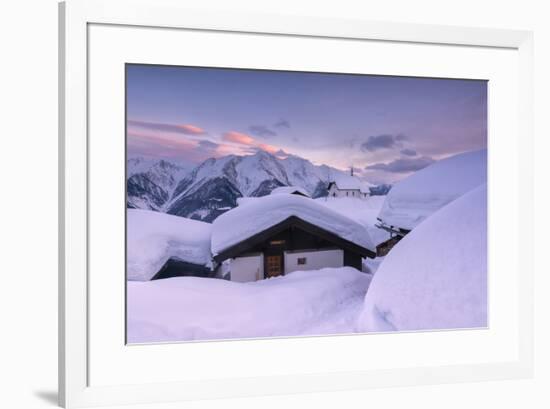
point(75, 19)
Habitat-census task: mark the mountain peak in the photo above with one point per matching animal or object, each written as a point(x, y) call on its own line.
point(262, 154)
point(213, 186)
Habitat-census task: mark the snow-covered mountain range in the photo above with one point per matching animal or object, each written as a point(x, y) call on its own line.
point(211, 188)
point(150, 182)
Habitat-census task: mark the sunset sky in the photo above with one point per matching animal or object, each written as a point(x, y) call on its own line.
point(386, 127)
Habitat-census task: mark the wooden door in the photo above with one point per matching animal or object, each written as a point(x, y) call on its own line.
point(274, 265)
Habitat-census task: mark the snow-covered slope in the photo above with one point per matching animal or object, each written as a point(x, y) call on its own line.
point(155, 237)
point(261, 213)
point(215, 185)
point(413, 199)
point(315, 302)
point(138, 164)
point(151, 182)
point(435, 277)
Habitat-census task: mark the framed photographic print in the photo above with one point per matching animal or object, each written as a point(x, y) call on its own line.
point(264, 204)
point(277, 227)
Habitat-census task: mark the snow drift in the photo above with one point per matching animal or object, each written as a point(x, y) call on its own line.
point(153, 238)
point(362, 211)
point(261, 213)
point(289, 190)
point(413, 199)
point(325, 301)
point(436, 277)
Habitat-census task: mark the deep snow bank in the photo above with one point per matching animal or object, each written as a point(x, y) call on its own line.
point(418, 196)
point(155, 237)
point(364, 211)
point(288, 190)
point(325, 301)
point(436, 277)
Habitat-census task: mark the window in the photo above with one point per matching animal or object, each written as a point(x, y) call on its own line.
point(302, 261)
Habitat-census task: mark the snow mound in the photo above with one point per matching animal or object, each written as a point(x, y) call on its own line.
point(316, 302)
point(362, 211)
point(413, 199)
point(241, 201)
point(436, 276)
point(153, 238)
point(262, 213)
point(289, 190)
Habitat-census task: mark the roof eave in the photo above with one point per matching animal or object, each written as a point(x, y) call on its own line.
point(246, 244)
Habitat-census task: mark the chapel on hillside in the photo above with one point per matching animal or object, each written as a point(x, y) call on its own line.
point(348, 186)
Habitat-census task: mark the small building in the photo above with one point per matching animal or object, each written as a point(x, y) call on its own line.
point(348, 186)
point(181, 268)
point(161, 245)
point(382, 249)
point(278, 234)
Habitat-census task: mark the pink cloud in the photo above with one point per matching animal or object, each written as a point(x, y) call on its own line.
point(167, 144)
point(160, 139)
point(247, 140)
point(162, 146)
point(268, 148)
point(186, 129)
point(191, 129)
point(238, 137)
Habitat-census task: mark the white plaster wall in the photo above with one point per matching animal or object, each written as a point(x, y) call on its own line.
point(248, 268)
point(333, 191)
point(342, 193)
point(315, 260)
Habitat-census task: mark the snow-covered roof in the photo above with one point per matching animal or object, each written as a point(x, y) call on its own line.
point(414, 198)
point(154, 238)
point(348, 182)
point(362, 211)
point(289, 190)
point(436, 276)
point(262, 213)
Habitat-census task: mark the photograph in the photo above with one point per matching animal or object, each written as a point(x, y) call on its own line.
point(268, 203)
